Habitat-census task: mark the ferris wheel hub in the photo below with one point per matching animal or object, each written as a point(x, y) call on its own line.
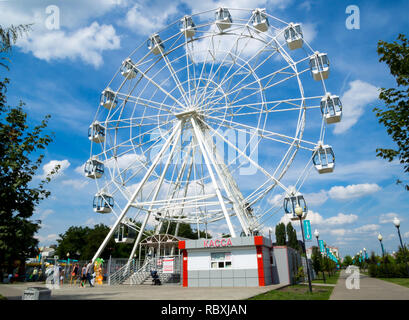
point(187, 114)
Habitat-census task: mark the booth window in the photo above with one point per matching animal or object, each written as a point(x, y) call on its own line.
point(220, 260)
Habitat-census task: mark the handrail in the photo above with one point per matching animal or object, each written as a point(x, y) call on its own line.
point(138, 274)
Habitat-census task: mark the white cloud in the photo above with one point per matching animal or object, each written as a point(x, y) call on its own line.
point(198, 6)
point(86, 44)
point(317, 219)
point(48, 167)
point(341, 219)
point(309, 31)
point(46, 239)
point(354, 101)
point(316, 199)
point(148, 18)
point(75, 183)
point(367, 228)
point(406, 235)
point(353, 191)
point(338, 232)
point(388, 217)
point(44, 214)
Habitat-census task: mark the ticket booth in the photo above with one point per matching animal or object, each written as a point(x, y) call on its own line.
point(227, 262)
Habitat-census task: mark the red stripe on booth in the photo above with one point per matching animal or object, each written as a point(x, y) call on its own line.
point(185, 278)
point(260, 266)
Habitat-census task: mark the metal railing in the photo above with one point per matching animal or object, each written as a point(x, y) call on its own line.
point(138, 274)
point(123, 273)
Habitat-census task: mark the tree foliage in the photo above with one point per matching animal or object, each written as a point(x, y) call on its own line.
point(316, 259)
point(292, 237)
point(20, 158)
point(83, 242)
point(185, 231)
point(281, 238)
point(395, 115)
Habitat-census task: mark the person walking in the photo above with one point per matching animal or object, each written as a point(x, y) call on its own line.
point(35, 274)
point(62, 275)
point(90, 271)
point(83, 275)
point(74, 273)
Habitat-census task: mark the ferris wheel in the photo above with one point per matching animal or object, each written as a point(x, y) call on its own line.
point(201, 123)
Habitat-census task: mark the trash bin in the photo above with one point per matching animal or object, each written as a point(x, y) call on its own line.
point(37, 293)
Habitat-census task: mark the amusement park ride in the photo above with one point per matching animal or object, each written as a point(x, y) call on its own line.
point(204, 78)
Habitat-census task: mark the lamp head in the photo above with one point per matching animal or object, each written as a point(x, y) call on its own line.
point(380, 237)
point(298, 211)
point(396, 222)
point(365, 249)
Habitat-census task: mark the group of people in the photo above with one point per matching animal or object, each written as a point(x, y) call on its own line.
point(85, 274)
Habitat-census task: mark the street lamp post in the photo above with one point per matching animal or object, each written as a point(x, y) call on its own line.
point(396, 222)
point(317, 235)
point(298, 212)
point(380, 240)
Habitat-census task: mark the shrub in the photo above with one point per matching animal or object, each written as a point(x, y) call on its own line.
point(388, 270)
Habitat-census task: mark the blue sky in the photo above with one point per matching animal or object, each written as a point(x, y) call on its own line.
point(62, 72)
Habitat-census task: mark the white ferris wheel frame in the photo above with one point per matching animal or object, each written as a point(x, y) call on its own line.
point(184, 112)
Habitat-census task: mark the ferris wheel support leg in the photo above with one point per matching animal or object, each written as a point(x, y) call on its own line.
point(214, 182)
point(135, 194)
point(228, 182)
point(178, 130)
point(180, 175)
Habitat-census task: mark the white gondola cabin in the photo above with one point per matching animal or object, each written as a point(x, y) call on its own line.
point(319, 65)
point(293, 36)
point(331, 108)
point(223, 19)
point(260, 21)
point(94, 168)
point(291, 202)
point(155, 44)
point(323, 158)
point(96, 132)
point(103, 203)
point(124, 234)
point(187, 26)
point(108, 99)
point(127, 69)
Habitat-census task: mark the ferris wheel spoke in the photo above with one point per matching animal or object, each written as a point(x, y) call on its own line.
point(275, 180)
point(146, 102)
point(161, 89)
point(235, 44)
point(263, 133)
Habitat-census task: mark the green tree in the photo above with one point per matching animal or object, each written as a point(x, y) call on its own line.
point(402, 255)
point(185, 230)
point(281, 238)
point(347, 261)
point(83, 242)
point(292, 237)
point(316, 259)
point(395, 115)
point(20, 158)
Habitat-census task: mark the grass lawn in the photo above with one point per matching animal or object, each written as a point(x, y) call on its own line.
point(296, 292)
point(401, 281)
point(329, 280)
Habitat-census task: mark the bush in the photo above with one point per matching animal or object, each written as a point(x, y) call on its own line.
point(300, 275)
point(388, 270)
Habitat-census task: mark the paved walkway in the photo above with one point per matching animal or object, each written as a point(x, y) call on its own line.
point(142, 292)
point(369, 289)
